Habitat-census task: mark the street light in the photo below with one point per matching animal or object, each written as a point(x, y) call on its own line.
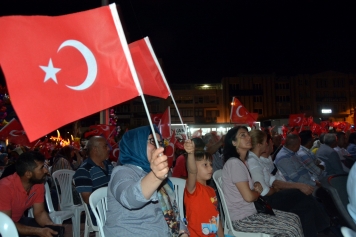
point(326, 111)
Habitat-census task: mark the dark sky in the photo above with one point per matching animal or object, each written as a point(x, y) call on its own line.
point(203, 41)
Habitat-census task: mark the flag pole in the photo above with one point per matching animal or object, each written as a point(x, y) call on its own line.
point(232, 107)
point(127, 53)
point(147, 40)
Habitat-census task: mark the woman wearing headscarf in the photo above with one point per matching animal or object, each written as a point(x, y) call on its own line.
point(134, 189)
point(285, 196)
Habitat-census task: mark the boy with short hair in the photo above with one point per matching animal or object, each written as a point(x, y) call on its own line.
point(200, 199)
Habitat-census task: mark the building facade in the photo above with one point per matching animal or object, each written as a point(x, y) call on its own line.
point(271, 96)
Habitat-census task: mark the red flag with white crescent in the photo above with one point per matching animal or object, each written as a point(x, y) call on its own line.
point(78, 63)
point(164, 125)
point(240, 115)
point(14, 132)
point(296, 120)
point(170, 149)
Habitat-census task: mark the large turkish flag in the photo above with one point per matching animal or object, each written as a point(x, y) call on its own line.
point(148, 70)
point(60, 69)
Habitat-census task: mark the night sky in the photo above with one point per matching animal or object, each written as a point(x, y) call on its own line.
point(203, 41)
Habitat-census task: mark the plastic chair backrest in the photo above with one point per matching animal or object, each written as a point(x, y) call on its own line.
point(347, 232)
point(99, 206)
point(217, 176)
point(228, 228)
point(339, 183)
point(7, 226)
point(48, 198)
point(335, 185)
point(178, 187)
point(64, 179)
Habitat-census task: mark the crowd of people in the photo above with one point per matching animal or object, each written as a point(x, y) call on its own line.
point(141, 201)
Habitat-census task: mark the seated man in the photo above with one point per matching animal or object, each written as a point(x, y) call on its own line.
point(25, 189)
point(307, 158)
point(345, 157)
point(287, 161)
point(327, 154)
point(95, 171)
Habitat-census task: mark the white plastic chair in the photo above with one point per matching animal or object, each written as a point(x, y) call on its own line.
point(228, 228)
point(347, 232)
point(56, 216)
point(64, 178)
point(99, 206)
point(7, 226)
point(178, 186)
point(89, 227)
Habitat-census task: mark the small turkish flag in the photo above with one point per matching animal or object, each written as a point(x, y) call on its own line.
point(296, 120)
point(13, 131)
point(240, 115)
point(148, 70)
point(164, 125)
point(101, 130)
point(156, 118)
point(170, 149)
point(72, 65)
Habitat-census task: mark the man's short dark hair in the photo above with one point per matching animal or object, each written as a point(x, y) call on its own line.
point(291, 140)
point(305, 137)
point(26, 162)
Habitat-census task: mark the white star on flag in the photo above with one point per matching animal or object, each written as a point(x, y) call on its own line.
point(50, 71)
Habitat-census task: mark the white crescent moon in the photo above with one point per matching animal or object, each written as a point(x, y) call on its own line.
point(238, 111)
point(105, 128)
point(171, 145)
point(115, 150)
point(299, 118)
point(14, 135)
point(89, 59)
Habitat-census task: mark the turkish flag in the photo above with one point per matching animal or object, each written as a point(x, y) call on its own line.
point(285, 131)
point(114, 150)
point(156, 118)
point(240, 115)
point(103, 130)
point(296, 120)
point(325, 124)
point(148, 70)
point(14, 132)
point(164, 125)
point(170, 149)
point(72, 66)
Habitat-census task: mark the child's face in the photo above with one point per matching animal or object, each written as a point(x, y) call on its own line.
point(205, 169)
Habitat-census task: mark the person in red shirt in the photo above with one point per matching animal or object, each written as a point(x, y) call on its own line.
point(200, 200)
point(25, 189)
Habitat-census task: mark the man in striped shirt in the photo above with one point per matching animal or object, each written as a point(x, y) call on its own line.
point(95, 171)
